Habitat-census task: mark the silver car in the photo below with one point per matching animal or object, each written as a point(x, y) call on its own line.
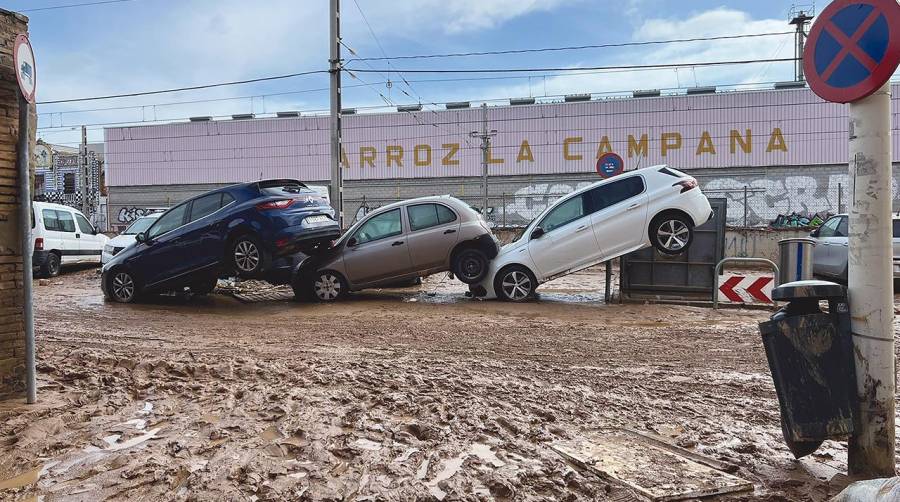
point(830, 253)
point(399, 242)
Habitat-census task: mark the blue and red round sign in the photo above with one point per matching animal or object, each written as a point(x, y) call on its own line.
point(853, 49)
point(609, 165)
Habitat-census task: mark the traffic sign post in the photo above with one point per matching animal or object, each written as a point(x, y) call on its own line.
point(853, 49)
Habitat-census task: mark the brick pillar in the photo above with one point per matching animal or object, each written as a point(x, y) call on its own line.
point(12, 334)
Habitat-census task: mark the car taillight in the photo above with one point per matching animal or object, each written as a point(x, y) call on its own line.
point(39, 244)
point(687, 184)
point(275, 204)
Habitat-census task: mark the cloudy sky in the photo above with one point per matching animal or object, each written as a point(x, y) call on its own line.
point(141, 45)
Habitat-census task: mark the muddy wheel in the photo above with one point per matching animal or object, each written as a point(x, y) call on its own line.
point(122, 287)
point(247, 256)
point(671, 233)
point(328, 286)
point(470, 266)
point(515, 284)
point(51, 266)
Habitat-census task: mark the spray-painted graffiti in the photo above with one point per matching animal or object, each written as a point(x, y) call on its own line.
point(528, 202)
point(768, 197)
point(129, 214)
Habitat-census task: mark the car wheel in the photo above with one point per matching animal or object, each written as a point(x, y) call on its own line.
point(671, 233)
point(328, 286)
point(515, 284)
point(470, 266)
point(122, 287)
point(51, 266)
point(247, 256)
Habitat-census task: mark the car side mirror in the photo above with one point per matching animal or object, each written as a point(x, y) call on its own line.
point(351, 242)
point(537, 233)
point(814, 233)
point(141, 237)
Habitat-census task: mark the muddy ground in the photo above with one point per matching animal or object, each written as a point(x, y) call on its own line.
point(391, 395)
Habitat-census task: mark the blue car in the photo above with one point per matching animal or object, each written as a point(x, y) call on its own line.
point(251, 229)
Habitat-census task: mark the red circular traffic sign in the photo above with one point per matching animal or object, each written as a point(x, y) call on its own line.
point(853, 49)
point(26, 74)
point(609, 165)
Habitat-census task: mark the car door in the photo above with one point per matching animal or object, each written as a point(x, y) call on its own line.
point(69, 236)
point(53, 235)
point(433, 231)
point(90, 245)
point(378, 250)
point(567, 242)
point(160, 257)
point(825, 253)
point(840, 247)
point(619, 215)
point(203, 240)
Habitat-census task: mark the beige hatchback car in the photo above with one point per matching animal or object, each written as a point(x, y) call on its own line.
point(399, 242)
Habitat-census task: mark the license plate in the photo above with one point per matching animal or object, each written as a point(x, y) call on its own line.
point(317, 219)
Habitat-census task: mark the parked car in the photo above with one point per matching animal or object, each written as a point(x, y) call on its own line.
point(400, 242)
point(654, 206)
point(832, 242)
point(62, 235)
point(250, 229)
point(127, 237)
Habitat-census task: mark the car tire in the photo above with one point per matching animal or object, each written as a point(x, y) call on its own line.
point(671, 233)
point(247, 256)
point(327, 286)
point(515, 284)
point(470, 266)
point(51, 266)
point(205, 286)
point(122, 287)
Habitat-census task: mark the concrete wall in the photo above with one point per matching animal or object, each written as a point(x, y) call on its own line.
point(12, 336)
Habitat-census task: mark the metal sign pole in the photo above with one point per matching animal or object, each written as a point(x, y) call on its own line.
point(870, 281)
point(25, 229)
point(337, 180)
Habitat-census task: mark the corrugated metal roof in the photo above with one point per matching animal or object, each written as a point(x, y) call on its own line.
point(756, 128)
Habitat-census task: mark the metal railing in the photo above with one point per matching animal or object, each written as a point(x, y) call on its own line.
point(715, 291)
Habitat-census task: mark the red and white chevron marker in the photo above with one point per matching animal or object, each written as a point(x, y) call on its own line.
point(747, 288)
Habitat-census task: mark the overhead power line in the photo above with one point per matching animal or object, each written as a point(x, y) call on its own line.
point(69, 6)
point(570, 48)
point(179, 89)
point(626, 67)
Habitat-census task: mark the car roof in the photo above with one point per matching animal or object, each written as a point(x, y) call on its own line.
point(448, 199)
point(53, 205)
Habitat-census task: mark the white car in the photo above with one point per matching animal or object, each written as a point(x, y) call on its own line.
point(654, 206)
point(127, 238)
point(832, 244)
point(62, 235)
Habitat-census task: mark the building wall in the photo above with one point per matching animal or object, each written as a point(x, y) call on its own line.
point(12, 336)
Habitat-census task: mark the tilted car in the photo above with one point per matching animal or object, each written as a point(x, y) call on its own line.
point(127, 238)
point(832, 244)
point(654, 206)
point(249, 229)
point(400, 242)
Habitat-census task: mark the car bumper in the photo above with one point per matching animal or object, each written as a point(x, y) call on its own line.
point(38, 259)
point(294, 239)
point(105, 258)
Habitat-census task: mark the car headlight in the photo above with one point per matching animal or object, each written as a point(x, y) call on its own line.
point(107, 249)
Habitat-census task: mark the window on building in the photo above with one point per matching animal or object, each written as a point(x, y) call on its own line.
point(39, 183)
point(69, 183)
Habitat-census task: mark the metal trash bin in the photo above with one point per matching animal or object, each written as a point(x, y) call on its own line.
point(795, 259)
point(810, 355)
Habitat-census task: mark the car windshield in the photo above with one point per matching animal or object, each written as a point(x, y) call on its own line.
point(139, 225)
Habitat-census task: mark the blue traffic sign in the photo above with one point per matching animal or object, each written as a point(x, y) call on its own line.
point(609, 165)
point(853, 49)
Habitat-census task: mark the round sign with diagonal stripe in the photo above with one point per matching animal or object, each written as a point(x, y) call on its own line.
point(853, 49)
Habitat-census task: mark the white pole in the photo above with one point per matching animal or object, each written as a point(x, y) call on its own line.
point(337, 181)
point(870, 281)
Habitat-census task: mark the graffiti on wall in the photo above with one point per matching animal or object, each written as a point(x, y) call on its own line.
point(530, 201)
point(129, 214)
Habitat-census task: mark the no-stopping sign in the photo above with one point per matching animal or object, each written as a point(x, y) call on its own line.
point(23, 58)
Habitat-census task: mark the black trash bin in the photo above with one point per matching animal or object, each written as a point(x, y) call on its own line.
point(810, 354)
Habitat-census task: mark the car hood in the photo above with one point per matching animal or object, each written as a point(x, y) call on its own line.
point(512, 246)
point(123, 255)
point(121, 241)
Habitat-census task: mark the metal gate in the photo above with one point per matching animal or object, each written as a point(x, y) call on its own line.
point(648, 274)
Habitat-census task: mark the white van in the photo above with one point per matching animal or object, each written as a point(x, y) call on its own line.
point(62, 235)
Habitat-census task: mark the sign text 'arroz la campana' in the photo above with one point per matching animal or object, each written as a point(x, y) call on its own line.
point(851, 53)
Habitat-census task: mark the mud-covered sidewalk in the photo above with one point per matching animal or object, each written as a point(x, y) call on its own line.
point(397, 395)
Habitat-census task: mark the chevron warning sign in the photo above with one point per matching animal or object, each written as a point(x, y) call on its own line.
point(746, 288)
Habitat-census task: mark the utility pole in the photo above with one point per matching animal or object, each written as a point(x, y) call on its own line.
point(485, 136)
point(337, 180)
point(801, 20)
point(870, 285)
point(85, 174)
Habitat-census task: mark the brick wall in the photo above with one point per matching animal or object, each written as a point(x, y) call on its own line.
point(12, 336)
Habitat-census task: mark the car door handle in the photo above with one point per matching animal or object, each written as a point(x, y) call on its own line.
point(633, 206)
point(581, 228)
point(451, 231)
point(77, 236)
point(397, 243)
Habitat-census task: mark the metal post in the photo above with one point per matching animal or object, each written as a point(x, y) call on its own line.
point(85, 176)
point(840, 208)
point(503, 203)
point(337, 181)
point(745, 206)
point(870, 285)
point(25, 229)
point(485, 155)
